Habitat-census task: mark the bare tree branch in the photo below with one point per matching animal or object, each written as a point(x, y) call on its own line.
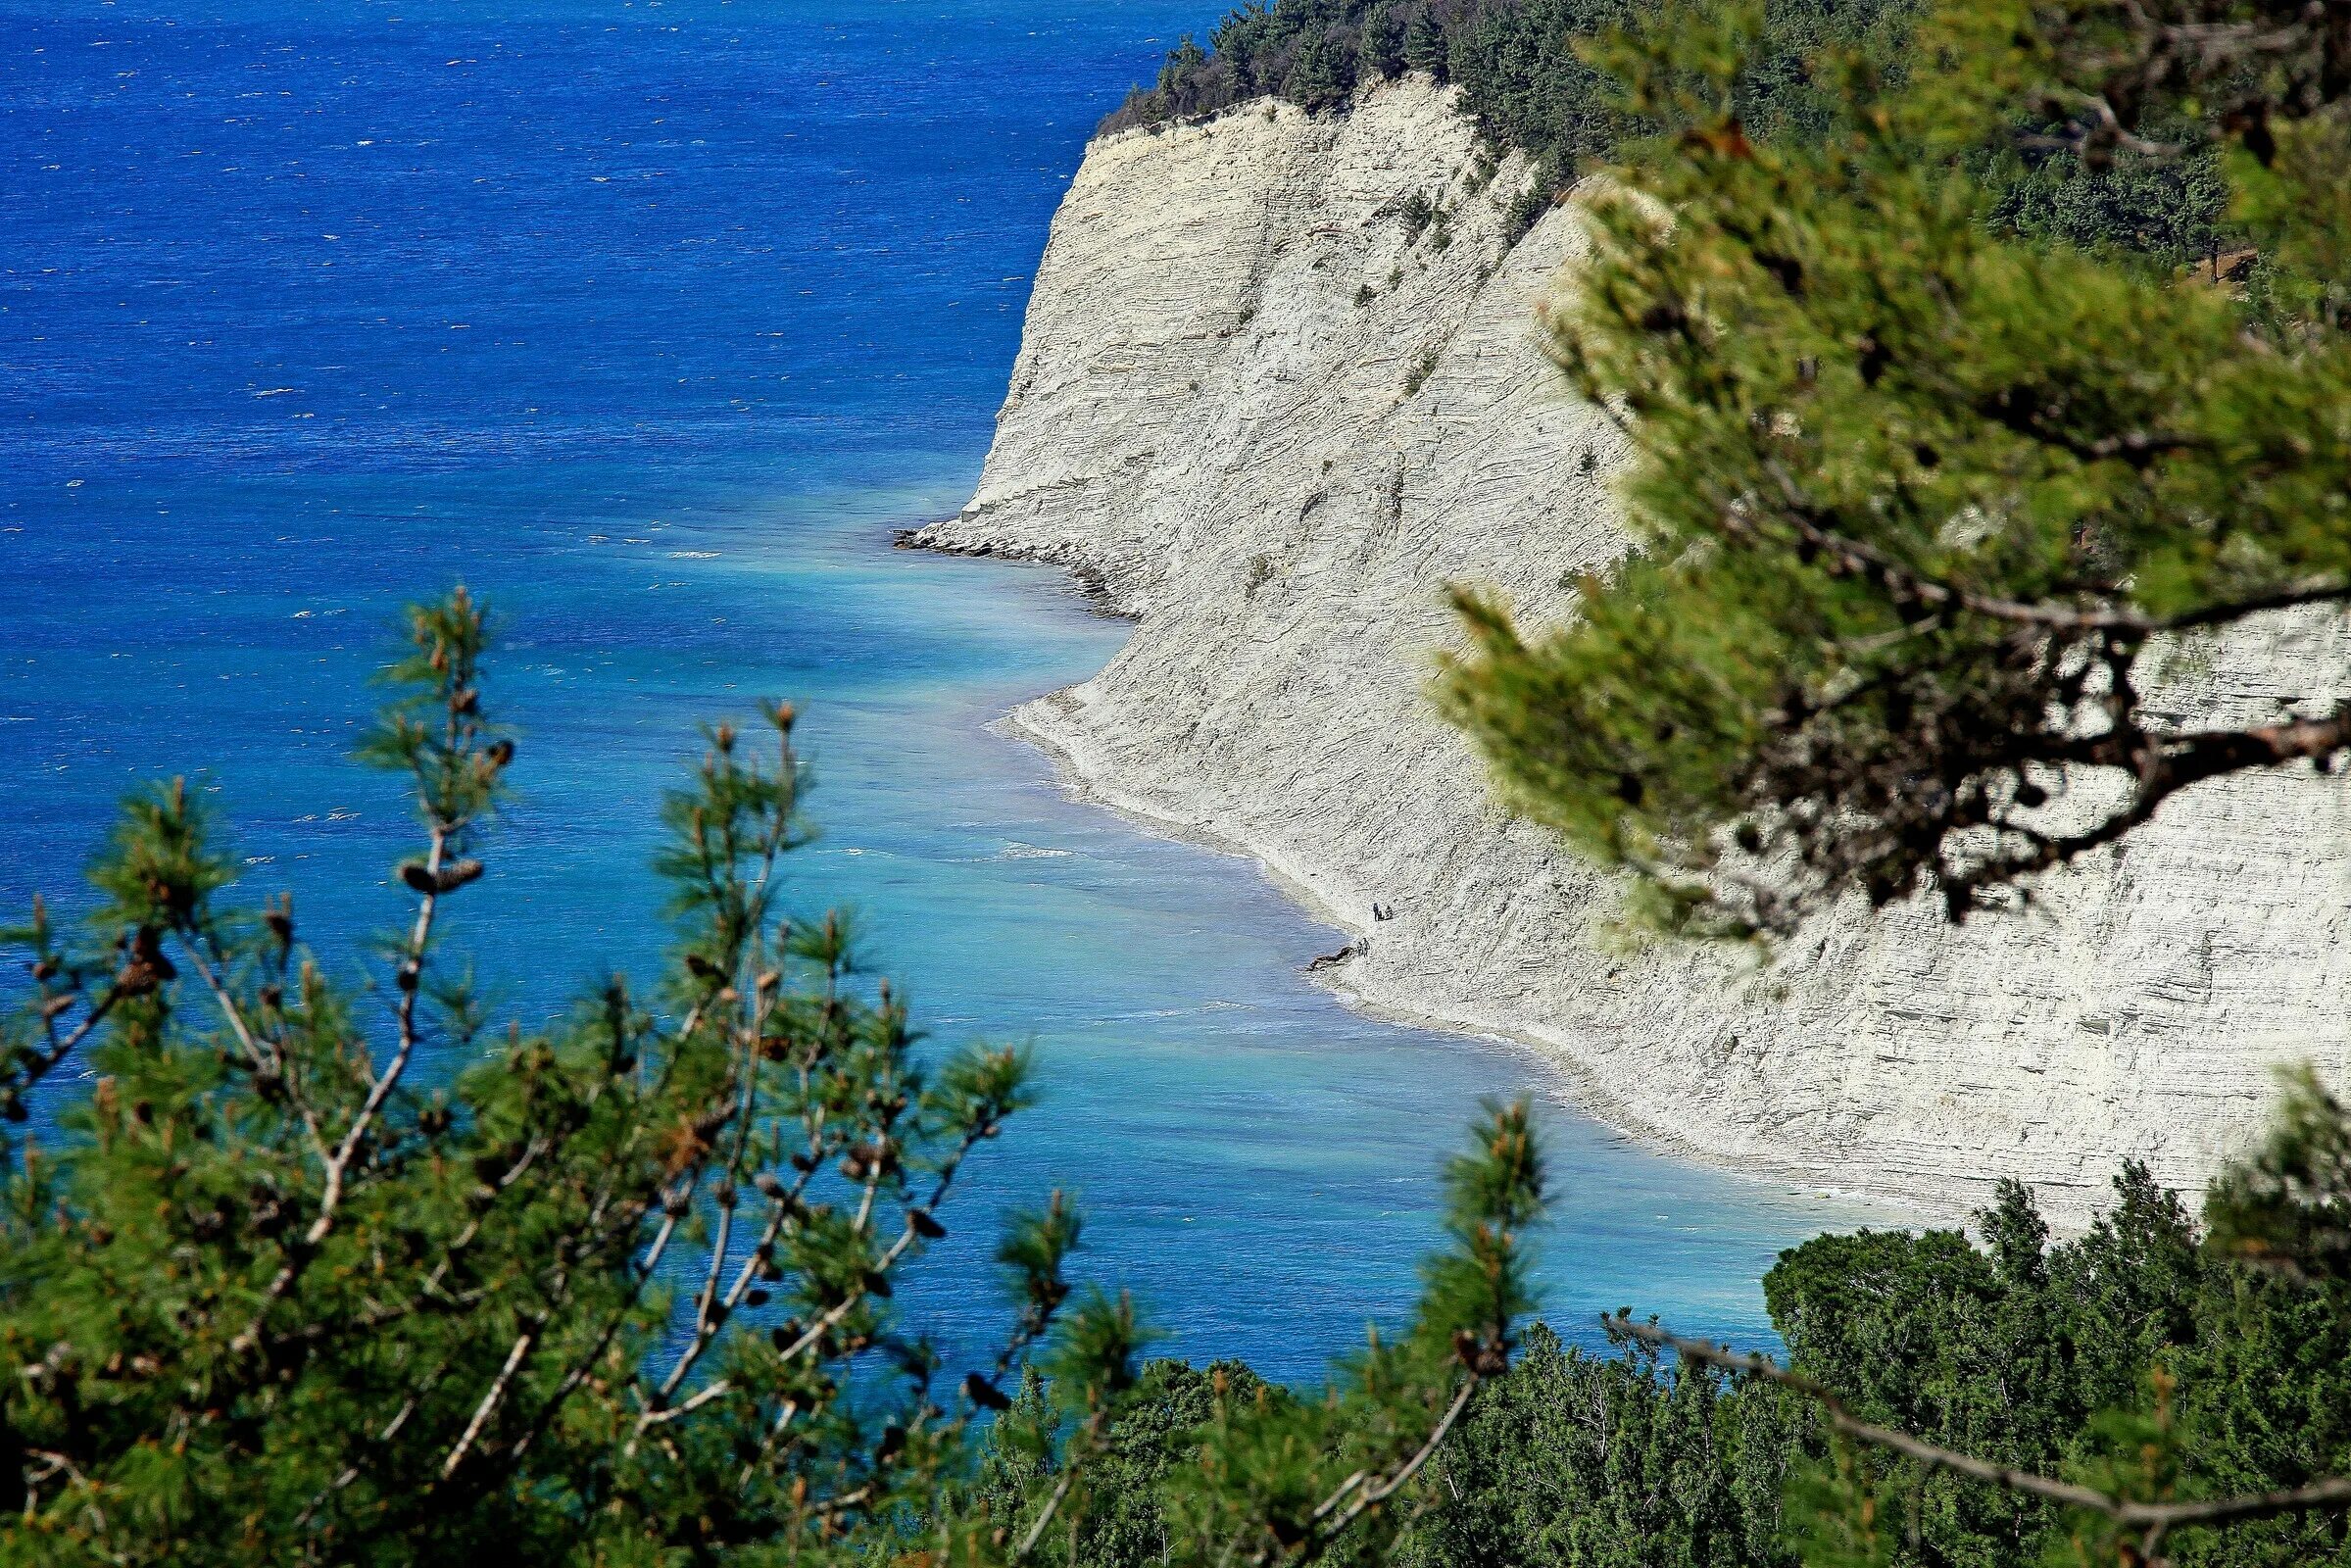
point(1371, 1495)
point(489, 1400)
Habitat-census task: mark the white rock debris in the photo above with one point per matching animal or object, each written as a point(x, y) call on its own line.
point(1258, 414)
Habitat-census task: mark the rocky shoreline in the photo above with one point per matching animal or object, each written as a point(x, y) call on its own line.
point(1278, 385)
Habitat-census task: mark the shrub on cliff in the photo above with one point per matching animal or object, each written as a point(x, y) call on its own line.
point(310, 1274)
point(1926, 508)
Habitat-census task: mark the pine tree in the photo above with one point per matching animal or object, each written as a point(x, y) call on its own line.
point(311, 1273)
point(1424, 44)
point(1923, 505)
point(1183, 61)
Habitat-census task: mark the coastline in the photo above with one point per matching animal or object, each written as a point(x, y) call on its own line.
point(1264, 416)
point(1576, 1085)
point(1091, 585)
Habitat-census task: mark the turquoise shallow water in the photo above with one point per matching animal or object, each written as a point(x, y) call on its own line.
point(652, 322)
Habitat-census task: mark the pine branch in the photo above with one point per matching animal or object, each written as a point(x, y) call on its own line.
point(2153, 1520)
point(491, 1399)
point(1371, 1495)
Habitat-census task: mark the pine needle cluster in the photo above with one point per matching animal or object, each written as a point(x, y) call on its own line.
point(1926, 508)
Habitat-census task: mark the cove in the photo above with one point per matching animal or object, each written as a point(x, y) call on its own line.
point(652, 322)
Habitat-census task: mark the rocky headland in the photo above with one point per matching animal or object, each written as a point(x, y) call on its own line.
point(1280, 383)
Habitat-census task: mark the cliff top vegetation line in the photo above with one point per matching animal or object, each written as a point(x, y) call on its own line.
point(1528, 78)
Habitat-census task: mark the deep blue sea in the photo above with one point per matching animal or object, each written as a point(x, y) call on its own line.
point(651, 322)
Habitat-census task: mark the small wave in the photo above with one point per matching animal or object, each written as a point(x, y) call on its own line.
point(1017, 851)
point(693, 555)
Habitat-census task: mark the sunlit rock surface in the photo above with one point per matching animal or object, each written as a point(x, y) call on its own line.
point(1258, 414)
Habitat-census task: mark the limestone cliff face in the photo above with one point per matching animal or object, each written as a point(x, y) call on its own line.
point(1271, 422)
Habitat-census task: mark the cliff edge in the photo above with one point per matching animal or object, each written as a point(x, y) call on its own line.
point(1279, 384)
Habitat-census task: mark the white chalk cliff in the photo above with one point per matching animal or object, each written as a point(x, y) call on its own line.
point(1270, 421)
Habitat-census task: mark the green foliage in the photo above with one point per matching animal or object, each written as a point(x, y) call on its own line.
point(2289, 1208)
point(1218, 1467)
point(1415, 215)
point(2138, 1358)
point(2169, 209)
point(1521, 64)
point(313, 1274)
point(1581, 1462)
point(1279, 1479)
point(1923, 503)
point(320, 1273)
point(1152, 1437)
point(2015, 1351)
point(1528, 74)
point(1424, 365)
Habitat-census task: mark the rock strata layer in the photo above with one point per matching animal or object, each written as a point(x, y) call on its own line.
point(1270, 408)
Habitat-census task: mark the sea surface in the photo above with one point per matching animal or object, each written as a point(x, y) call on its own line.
point(651, 323)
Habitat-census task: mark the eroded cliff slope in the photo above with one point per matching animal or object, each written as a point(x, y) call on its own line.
point(1271, 414)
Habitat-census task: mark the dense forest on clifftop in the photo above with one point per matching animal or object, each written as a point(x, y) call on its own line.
point(1525, 78)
